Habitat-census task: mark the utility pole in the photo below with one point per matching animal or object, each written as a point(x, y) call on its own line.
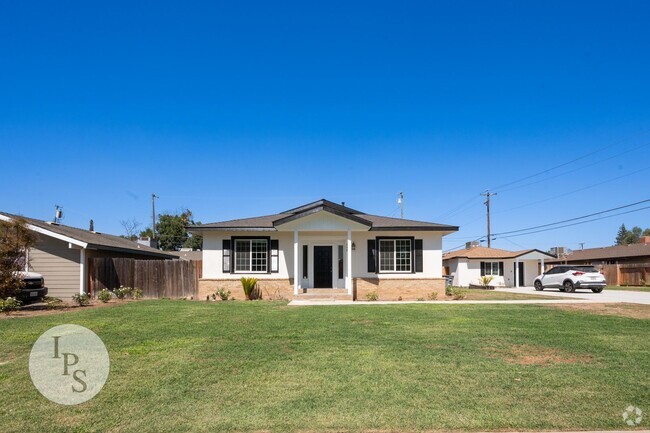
point(400, 202)
point(153, 214)
point(488, 194)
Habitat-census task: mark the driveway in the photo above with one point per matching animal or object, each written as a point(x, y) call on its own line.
point(605, 296)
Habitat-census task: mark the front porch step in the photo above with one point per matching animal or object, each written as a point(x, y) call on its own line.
point(324, 295)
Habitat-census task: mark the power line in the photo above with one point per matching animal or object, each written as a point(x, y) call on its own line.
point(575, 224)
point(574, 219)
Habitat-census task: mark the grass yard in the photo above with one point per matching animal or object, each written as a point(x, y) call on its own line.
point(262, 366)
point(491, 295)
point(632, 288)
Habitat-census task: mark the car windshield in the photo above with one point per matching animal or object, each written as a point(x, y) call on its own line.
point(585, 269)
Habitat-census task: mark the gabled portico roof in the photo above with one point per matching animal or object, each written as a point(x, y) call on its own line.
point(372, 222)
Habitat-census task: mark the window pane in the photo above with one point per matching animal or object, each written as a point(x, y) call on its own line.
point(258, 255)
point(242, 255)
point(386, 255)
point(403, 255)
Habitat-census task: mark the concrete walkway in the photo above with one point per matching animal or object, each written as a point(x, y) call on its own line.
point(627, 296)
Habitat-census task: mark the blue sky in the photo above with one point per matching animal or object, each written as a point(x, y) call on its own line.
point(237, 109)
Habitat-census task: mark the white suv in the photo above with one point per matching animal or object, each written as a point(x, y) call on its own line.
point(568, 278)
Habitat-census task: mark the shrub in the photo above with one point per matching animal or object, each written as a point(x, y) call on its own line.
point(15, 239)
point(250, 288)
point(372, 296)
point(83, 299)
point(222, 294)
point(457, 293)
point(52, 303)
point(9, 304)
point(123, 292)
point(449, 290)
point(486, 280)
point(137, 293)
point(420, 299)
point(432, 296)
point(104, 295)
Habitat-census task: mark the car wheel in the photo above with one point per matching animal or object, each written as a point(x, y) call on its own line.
point(568, 287)
point(538, 286)
point(597, 290)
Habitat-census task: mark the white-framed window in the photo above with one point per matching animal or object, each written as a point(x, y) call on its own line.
point(251, 255)
point(492, 268)
point(395, 255)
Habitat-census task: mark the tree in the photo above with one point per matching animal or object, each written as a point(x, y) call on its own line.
point(130, 229)
point(621, 235)
point(15, 240)
point(646, 232)
point(171, 233)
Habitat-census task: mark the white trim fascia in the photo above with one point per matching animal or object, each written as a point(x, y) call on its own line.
point(50, 233)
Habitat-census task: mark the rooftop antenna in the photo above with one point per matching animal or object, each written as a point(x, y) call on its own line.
point(582, 245)
point(400, 202)
point(58, 213)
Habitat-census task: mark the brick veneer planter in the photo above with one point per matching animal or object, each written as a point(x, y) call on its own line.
point(409, 289)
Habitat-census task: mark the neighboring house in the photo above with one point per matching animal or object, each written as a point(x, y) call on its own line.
point(619, 254)
point(61, 254)
point(186, 254)
point(323, 245)
point(507, 268)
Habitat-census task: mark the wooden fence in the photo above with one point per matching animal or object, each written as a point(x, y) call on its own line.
point(627, 274)
point(156, 278)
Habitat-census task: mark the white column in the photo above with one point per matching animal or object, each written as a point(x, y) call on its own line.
point(542, 266)
point(517, 273)
point(296, 280)
point(82, 270)
point(348, 276)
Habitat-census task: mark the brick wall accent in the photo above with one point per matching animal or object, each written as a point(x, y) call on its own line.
point(272, 289)
point(392, 289)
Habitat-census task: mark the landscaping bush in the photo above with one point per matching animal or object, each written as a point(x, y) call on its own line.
point(52, 303)
point(104, 296)
point(15, 239)
point(486, 280)
point(9, 304)
point(457, 293)
point(372, 296)
point(137, 293)
point(449, 290)
point(222, 294)
point(123, 292)
point(83, 299)
point(432, 296)
point(250, 288)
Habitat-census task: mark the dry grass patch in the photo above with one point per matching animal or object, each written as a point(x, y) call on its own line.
point(527, 354)
point(632, 311)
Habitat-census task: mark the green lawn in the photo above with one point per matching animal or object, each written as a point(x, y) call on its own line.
point(633, 288)
point(261, 366)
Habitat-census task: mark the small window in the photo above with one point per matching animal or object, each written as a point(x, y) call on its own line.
point(251, 255)
point(395, 255)
point(492, 268)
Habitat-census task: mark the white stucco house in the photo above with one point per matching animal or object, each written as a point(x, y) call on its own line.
point(323, 247)
point(507, 268)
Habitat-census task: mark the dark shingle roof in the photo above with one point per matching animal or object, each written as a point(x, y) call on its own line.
point(95, 240)
point(375, 222)
point(607, 253)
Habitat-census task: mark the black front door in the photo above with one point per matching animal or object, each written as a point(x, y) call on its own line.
point(521, 273)
point(323, 267)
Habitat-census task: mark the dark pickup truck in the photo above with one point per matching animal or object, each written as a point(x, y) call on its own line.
point(33, 289)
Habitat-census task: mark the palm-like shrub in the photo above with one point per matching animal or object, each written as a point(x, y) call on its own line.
point(249, 285)
point(486, 280)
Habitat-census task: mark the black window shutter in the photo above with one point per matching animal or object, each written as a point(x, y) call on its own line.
point(419, 264)
point(305, 261)
point(501, 269)
point(372, 253)
point(274, 256)
point(482, 269)
point(226, 262)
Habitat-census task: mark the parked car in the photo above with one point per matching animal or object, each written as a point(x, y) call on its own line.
point(34, 287)
point(568, 278)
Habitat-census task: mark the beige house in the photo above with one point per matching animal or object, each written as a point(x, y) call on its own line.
point(324, 249)
point(62, 252)
point(506, 268)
